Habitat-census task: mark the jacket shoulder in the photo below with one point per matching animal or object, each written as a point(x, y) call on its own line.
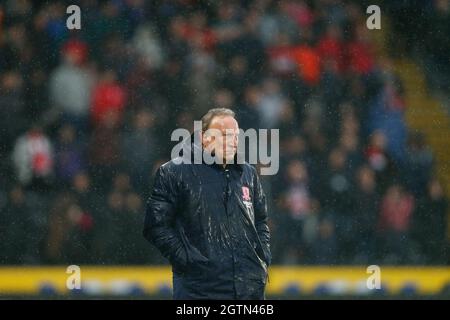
point(248, 168)
point(172, 167)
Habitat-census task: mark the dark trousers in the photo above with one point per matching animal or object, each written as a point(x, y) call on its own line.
point(189, 289)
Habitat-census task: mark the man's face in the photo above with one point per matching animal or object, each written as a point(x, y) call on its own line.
point(222, 138)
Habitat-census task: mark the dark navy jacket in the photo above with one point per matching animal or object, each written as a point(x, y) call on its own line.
point(211, 223)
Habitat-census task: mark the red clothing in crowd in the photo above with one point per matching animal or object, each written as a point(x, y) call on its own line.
point(360, 57)
point(396, 213)
point(332, 49)
point(302, 59)
point(77, 49)
point(300, 13)
point(40, 153)
point(308, 62)
point(206, 36)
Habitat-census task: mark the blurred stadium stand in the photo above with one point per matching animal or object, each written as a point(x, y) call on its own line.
point(86, 117)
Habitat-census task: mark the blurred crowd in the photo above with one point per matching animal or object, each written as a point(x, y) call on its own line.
point(86, 117)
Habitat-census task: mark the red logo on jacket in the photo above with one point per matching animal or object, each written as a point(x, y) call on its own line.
point(245, 194)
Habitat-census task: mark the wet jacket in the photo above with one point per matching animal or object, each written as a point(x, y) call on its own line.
point(211, 223)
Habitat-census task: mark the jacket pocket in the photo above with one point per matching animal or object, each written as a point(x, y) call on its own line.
point(196, 262)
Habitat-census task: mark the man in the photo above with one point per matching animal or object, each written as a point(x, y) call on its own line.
point(210, 220)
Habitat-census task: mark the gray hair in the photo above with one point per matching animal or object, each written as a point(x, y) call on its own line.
point(216, 112)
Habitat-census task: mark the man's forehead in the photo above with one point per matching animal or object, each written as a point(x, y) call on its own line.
point(224, 123)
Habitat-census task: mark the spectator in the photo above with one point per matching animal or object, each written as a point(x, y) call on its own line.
point(139, 145)
point(90, 202)
point(176, 43)
point(349, 144)
point(69, 155)
point(16, 230)
point(248, 113)
point(227, 27)
point(299, 12)
point(281, 61)
point(85, 195)
point(310, 232)
point(115, 215)
point(379, 160)
point(126, 244)
point(271, 105)
point(275, 22)
point(331, 47)
point(70, 233)
point(287, 122)
point(336, 194)
point(394, 223)
point(148, 47)
point(202, 70)
point(333, 94)
point(430, 223)
point(33, 159)
point(13, 46)
point(237, 78)
point(122, 183)
point(116, 56)
point(419, 159)
point(360, 52)
point(109, 21)
point(55, 27)
point(387, 111)
point(70, 86)
point(296, 207)
point(12, 109)
point(307, 59)
point(325, 248)
point(197, 30)
point(366, 210)
point(105, 151)
point(36, 96)
point(108, 98)
point(337, 184)
point(173, 84)
point(249, 46)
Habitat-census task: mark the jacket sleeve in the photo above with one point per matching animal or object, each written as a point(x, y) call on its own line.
point(261, 217)
point(159, 224)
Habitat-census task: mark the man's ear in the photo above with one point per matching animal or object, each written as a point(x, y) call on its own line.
point(203, 139)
